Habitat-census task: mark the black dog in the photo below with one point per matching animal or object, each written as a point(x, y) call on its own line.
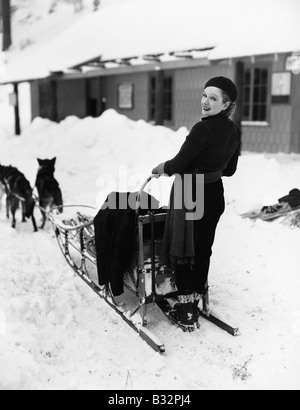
point(18, 190)
point(2, 193)
point(48, 188)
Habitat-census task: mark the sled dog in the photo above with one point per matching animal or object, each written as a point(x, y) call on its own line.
point(18, 191)
point(2, 193)
point(48, 188)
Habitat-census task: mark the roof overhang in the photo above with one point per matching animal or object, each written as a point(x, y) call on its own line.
point(161, 61)
point(98, 67)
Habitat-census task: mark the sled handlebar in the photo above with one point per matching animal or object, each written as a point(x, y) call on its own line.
point(138, 200)
point(65, 227)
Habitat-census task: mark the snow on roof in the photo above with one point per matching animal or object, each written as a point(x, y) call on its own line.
point(266, 27)
point(232, 28)
point(22, 72)
point(139, 28)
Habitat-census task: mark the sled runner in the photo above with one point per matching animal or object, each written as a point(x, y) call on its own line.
point(147, 280)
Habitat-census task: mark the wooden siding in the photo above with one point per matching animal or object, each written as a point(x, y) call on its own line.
point(275, 136)
point(188, 89)
point(295, 126)
point(140, 104)
point(281, 133)
point(71, 98)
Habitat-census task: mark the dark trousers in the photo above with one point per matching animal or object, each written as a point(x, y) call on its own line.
point(193, 278)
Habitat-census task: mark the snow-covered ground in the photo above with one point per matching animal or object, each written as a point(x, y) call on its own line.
point(55, 333)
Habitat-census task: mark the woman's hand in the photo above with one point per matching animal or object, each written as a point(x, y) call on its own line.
point(159, 170)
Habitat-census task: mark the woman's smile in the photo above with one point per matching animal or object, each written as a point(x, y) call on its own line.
point(212, 102)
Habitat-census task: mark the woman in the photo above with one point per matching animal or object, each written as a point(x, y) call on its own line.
point(212, 148)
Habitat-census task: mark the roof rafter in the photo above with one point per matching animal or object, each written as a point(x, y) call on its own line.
point(152, 58)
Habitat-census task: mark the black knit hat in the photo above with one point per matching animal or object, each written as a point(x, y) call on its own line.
point(224, 84)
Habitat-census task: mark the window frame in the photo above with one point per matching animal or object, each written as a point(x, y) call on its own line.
point(252, 68)
point(167, 106)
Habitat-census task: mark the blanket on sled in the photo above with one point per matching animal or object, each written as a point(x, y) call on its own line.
point(115, 236)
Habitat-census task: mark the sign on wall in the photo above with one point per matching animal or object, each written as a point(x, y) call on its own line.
point(281, 87)
point(293, 63)
point(13, 99)
point(125, 96)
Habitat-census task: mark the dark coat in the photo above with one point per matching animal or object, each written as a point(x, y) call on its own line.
point(115, 237)
point(212, 148)
point(293, 198)
point(212, 145)
point(115, 244)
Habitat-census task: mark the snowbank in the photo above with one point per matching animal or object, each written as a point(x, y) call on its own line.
point(112, 151)
point(104, 152)
point(54, 333)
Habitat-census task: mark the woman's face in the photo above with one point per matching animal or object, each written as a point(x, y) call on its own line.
point(212, 102)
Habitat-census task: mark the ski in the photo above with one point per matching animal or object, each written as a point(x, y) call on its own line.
point(265, 216)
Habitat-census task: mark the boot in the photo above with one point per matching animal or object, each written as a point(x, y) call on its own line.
point(196, 310)
point(183, 313)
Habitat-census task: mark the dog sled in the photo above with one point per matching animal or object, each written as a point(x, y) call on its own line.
point(147, 281)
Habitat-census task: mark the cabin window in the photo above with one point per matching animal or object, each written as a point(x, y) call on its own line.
point(255, 94)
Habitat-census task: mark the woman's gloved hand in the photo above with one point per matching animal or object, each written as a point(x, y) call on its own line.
point(159, 170)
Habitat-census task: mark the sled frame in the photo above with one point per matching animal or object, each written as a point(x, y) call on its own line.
point(80, 238)
point(67, 238)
